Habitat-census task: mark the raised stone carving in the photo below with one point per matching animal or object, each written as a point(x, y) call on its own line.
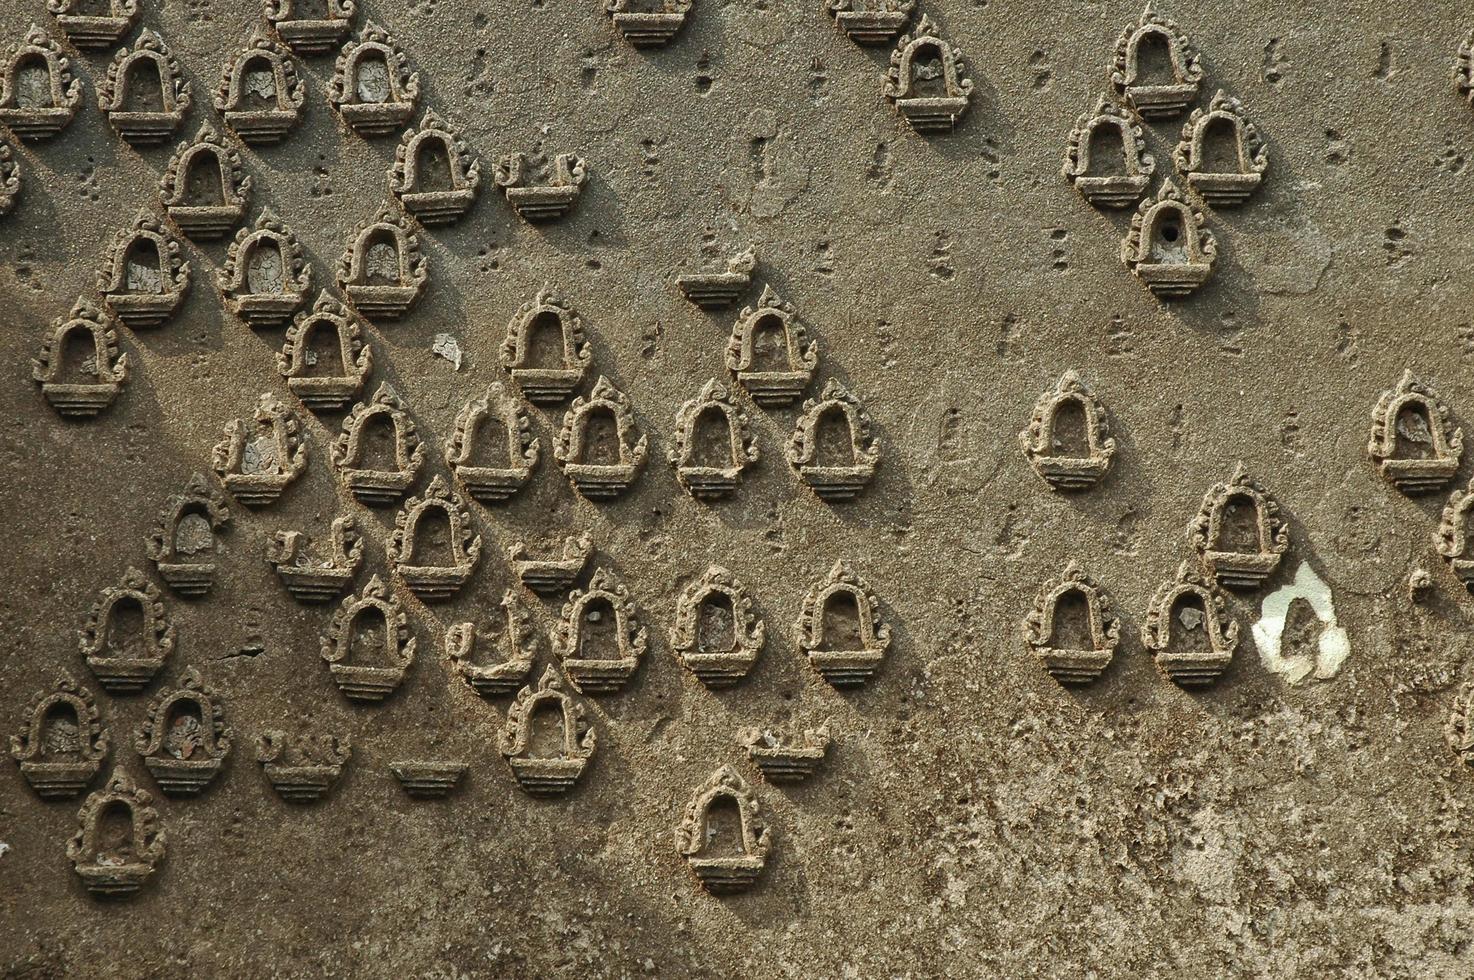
point(119, 841)
point(144, 275)
point(382, 269)
point(435, 174)
point(205, 187)
point(696, 837)
point(539, 190)
point(713, 290)
point(1156, 98)
point(1414, 443)
point(313, 580)
point(1069, 465)
point(80, 388)
point(1238, 532)
point(260, 93)
point(1189, 630)
point(493, 451)
point(1198, 156)
point(61, 742)
point(144, 116)
point(547, 769)
point(94, 30)
point(871, 21)
point(325, 387)
point(514, 646)
point(368, 645)
point(127, 636)
point(373, 88)
point(785, 759)
point(301, 768)
point(840, 628)
point(266, 276)
point(648, 23)
point(410, 546)
point(1115, 182)
point(428, 779)
point(371, 480)
point(1169, 246)
point(184, 739)
point(259, 458)
point(1075, 642)
point(844, 476)
point(717, 634)
point(541, 382)
point(598, 638)
point(1464, 69)
point(547, 576)
point(9, 178)
point(39, 95)
point(713, 443)
point(926, 81)
point(183, 543)
point(770, 353)
point(1458, 730)
point(601, 468)
point(311, 35)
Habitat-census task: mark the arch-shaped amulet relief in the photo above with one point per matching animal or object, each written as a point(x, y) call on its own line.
point(427, 154)
point(209, 217)
point(185, 540)
point(434, 581)
point(265, 277)
point(847, 661)
point(311, 35)
point(1190, 596)
point(144, 276)
point(39, 121)
point(1041, 445)
point(117, 867)
point(781, 381)
point(547, 775)
point(373, 88)
point(184, 739)
point(1070, 662)
point(303, 767)
point(1169, 247)
point(1229, 563)
point(1099, 181)
point(263, 70)
point(126, 664)
point(493, 479)
point(1222, 188)
point(1153, 98)
point(546, 384)
point(648, 28)
point(90, 31)
point(61, 741)
point(372, 485)
point(598, 480)
point(1414, 443)
point(374, 677)
point(144, 127)
point(329, 391)
point(382, 269)
point(834, 480)
point(927, 112)
point(871, 21)
point(724, 874)
point(717, 667)
point(712, 478)
point(87, 394)
point(599, 671)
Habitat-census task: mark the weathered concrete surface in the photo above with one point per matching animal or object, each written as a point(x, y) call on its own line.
point(974, 818)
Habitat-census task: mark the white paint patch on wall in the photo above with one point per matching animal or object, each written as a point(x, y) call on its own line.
point(1333, 646)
